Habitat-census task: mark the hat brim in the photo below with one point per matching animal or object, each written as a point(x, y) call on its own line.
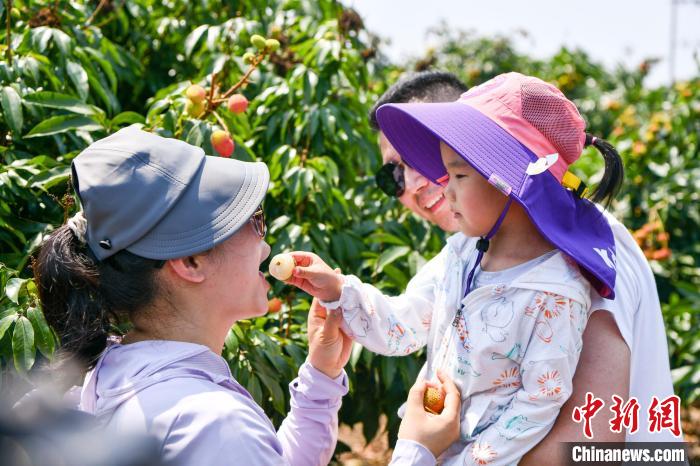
point(573, 225)
point(209, 211)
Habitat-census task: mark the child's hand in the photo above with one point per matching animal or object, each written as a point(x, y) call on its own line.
point(315, 277)
point(435, 432)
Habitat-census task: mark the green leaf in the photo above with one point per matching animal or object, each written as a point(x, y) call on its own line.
point(193, 38)
point(196, 135)
point(5, 323)
point(231, 342)
point(40, 38)
point(12, 108)
point(390, 255)
point(388, 370)
point(63, 123)
point(14, 287)
point(272, 385)
point(44, 337)
point(23, 344)
point(62, 101)
point(355, 354)
point(255, 389)
point(79, 77)
point(128, 118)
point(62, 41)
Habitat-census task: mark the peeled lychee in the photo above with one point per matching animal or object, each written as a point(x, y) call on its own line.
point(282, 266)
point(237, 103)
point(196, 93)
point(434, 400)
point(222, 143)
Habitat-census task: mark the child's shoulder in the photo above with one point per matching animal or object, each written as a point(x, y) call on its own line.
point(558, 275)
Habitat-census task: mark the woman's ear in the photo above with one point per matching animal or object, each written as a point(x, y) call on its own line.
point(191, 269)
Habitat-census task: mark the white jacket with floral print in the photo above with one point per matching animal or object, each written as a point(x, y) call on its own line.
point(512, 349)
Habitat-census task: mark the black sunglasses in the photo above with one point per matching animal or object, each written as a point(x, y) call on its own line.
point(258, 221)
point(390, 179)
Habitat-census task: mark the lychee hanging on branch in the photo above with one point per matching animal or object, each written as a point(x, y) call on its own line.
point(196, 93)
point(237, 103)
point(201, 103)
point(222, 142)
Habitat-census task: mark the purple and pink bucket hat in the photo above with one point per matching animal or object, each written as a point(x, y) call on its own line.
point(521, 134)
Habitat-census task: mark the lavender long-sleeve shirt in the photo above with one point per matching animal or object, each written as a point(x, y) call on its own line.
point(184, 395)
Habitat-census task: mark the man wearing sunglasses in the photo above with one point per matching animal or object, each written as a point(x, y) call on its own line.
point(396, 178)
point(629, 337)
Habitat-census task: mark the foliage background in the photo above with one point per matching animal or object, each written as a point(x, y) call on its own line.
point(81, 70)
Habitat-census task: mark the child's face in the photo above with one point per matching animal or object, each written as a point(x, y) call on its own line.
point(476, 204)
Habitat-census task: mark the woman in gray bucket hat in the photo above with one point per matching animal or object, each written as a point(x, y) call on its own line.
point(171, 240)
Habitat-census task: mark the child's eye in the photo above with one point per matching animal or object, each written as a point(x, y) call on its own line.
point(460, 176)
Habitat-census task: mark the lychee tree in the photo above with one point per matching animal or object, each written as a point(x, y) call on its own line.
point(290, 83)
point(287, 82)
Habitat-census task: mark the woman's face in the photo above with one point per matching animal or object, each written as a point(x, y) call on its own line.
point(474, 202)
point(238, 281)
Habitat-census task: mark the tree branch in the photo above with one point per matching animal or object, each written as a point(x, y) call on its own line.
point(8, 13)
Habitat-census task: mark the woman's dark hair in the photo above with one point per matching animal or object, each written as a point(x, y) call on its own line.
point(614, 173)
point(82, 298)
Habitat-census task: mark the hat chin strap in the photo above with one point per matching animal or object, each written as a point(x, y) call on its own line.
point(482, 245)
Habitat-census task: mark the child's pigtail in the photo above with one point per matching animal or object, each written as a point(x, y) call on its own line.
point(614, 174)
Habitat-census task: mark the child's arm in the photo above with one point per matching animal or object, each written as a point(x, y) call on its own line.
point(546, 371)
point(382, 324)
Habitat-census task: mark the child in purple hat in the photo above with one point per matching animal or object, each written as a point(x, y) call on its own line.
point(508, 316)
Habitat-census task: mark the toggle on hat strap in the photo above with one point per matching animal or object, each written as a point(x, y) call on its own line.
point(574, 183)
point(482, 245)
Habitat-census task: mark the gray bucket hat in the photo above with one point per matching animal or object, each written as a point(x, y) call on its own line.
point(162, 198)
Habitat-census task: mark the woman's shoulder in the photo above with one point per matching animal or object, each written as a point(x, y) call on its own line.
point(187, 396)
point(196, 419)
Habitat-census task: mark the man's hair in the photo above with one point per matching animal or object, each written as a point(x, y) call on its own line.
point(425, 86)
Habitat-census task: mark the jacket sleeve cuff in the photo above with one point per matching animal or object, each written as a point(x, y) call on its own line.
point(314, 389)
point(408, 452)
point(347, 296)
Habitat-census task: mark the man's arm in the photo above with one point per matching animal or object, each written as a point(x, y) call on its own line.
point(603, 370)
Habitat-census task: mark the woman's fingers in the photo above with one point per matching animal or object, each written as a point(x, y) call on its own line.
point(318, 310)
point(416, 393)
point(453, 398)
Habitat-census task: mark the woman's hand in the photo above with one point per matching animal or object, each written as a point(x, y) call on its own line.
point(329, 347)
point(315, 277)
point(436, 432)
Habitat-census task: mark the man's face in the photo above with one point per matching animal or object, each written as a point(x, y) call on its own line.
point(424, 198)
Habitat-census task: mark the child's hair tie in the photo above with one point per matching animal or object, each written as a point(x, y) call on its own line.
point(590, 140)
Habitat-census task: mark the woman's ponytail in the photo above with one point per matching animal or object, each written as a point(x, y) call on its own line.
point(83, 298)
point(68, 282)
point(614, 174)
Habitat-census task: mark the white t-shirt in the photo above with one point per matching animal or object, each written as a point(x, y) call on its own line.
point(637, 312)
